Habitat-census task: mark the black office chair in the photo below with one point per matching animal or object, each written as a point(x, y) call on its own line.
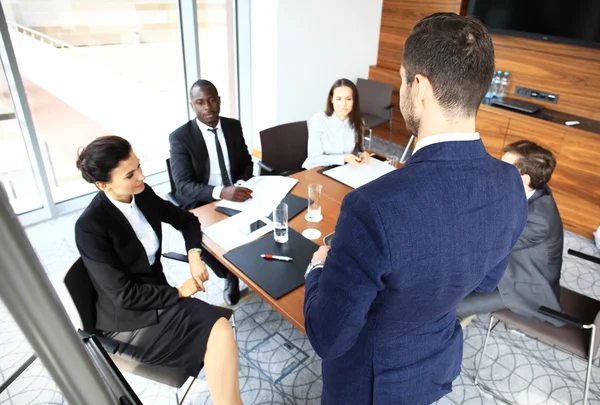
point(284, 148)
point(172, 196)
point(83, 293)
point(375, 103)
point(578, 336)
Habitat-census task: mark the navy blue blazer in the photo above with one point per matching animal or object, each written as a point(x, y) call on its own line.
point(408, 248)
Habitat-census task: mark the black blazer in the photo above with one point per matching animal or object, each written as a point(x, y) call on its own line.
point(532, 277)
point(130, 291)
point(190, 162)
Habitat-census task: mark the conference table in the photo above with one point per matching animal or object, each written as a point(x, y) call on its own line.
point(333, 192)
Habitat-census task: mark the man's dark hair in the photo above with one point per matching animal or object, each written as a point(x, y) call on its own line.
point(456, 54)
point(537, 162)
point(200, 83)
point(100, 157)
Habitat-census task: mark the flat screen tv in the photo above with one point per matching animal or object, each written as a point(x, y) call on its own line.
point(574, 22)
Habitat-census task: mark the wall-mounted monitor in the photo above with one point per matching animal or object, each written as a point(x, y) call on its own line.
point(574, 22)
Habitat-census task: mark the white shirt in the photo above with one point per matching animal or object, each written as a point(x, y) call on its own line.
point(430, 140)
point(329, 139)
point(530, 194)
point(215, 179)
point(143, 230)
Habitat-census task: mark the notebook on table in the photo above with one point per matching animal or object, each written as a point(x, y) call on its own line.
point(277, 278)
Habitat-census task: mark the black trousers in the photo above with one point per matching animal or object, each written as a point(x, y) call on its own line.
point(219, 269)
point(480, 303)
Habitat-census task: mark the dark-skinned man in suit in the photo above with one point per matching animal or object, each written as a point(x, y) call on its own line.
point(209, 161)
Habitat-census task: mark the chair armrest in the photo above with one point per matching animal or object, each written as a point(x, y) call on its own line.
point(561, 317)
point(290, 172)
point(265, 167)
point(173, 200)
point(110, 345)
point(584, 256)
point(176, 256)
point(389, 107)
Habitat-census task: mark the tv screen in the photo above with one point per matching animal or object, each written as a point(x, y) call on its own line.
point(569, 21)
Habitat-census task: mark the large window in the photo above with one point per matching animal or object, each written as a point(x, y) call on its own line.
point(216, 42)
point(16, 173)
point(93, 68)
point(88, 68)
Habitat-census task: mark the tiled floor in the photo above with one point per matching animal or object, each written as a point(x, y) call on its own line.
point(277, 364)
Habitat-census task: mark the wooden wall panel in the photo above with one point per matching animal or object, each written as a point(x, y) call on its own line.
point(492, 129)
point(397, 20)
point(576, 182)
point(548, 135)
point(575, 80)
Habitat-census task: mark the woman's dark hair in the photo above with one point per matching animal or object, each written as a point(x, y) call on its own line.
point(99, 158)
point(356, 120)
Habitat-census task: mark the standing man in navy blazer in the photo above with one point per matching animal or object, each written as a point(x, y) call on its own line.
point(380, 305)
point(208, 157)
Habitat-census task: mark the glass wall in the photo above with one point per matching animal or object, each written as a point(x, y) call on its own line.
point(16, 173)
point(216, 42)
point(93, 68)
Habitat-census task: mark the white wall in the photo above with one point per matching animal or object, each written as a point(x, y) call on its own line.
point(316, 42)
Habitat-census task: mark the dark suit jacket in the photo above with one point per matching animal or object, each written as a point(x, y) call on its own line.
point(533, 273)
point(190, 162)
point(409, 247)
point(130, 291)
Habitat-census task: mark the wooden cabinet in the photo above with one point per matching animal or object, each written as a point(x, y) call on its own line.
point(576, 182)
point(492, 129)
point(546, 134)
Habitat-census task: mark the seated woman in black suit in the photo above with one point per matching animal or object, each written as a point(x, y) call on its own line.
point(119, 239)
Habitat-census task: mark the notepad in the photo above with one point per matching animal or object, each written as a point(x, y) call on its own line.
point(356, 176)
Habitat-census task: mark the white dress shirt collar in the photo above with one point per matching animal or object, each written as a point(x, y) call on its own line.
point(430, 140)
point(125, 208)
point(530, 194)
point(204, 128)
point(140, 225)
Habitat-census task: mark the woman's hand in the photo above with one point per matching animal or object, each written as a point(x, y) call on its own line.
point(189, 288)
point(198, 269)
point(364, 157)
point(351, 159)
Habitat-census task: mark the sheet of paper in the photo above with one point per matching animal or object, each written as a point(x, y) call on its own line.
point(267, 192)
point(239, 229)
point(356, 176)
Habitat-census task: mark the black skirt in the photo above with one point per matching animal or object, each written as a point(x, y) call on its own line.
point(179, 338)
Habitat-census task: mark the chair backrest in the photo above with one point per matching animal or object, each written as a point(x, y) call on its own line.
point(171, 181)
point(374, 97)
point(284, 147)
point(83, 293)
point(582, 307)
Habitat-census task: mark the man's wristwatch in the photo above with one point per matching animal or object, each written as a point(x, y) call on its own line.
point(312, 266)
point(197, 250)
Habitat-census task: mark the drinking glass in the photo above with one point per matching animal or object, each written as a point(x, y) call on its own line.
point(314, 203)
point(280, 219)
point(393, 161)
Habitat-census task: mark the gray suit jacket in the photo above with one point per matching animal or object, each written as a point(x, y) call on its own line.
point(533, 273)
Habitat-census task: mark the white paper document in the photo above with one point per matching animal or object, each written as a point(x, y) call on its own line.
point(239, 229)
point(356, 176)
point(267, 192)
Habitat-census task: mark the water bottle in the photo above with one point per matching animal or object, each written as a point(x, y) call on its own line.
point(496, 83)
point(503, 85)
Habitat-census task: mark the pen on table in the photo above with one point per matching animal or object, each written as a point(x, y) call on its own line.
point(248, 192)
point(275, 257)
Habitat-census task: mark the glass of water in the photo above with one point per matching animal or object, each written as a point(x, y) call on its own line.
point(393, 161)
point(280, 219)
point(314, 203)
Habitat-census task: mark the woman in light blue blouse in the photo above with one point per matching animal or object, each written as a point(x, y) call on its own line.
point(335, 135)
